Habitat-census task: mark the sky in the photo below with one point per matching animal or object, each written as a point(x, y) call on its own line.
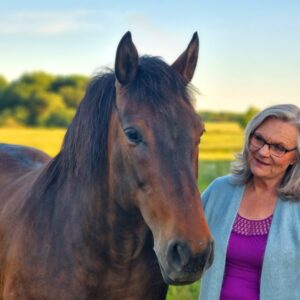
point(249, 50)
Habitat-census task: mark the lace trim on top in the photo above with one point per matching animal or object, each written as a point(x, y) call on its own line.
point(245, 226)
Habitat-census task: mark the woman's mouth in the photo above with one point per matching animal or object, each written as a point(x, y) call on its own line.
point(261, 162)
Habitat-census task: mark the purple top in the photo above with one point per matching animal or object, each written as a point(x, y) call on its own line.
point(244, 259)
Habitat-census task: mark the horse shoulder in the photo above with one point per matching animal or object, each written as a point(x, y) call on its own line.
point(19, 167)
point(15, 161)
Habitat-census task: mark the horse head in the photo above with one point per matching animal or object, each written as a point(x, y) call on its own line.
point(156, 156)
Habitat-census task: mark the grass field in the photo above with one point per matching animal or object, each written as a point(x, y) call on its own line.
point(220, 141)
point(217, 149)
point(48, 140)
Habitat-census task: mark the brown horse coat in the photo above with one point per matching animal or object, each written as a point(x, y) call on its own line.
point(117, 213)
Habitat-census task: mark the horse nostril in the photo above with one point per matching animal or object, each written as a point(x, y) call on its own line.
point(181, 259)
point(178, 255)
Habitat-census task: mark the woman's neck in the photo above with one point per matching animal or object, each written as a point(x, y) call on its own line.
point(262, 185)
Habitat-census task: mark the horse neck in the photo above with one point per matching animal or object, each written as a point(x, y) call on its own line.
point(119, 232)
point(120, 247)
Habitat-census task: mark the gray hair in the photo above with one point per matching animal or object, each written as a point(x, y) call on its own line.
point(289, 188)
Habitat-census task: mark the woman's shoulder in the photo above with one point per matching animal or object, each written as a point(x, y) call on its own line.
point(224, 181)
point(220, 193)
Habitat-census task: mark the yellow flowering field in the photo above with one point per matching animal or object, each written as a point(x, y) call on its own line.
point(220, 141)
point(48, 140)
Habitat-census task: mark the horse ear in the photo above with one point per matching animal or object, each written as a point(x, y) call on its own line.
point(187, 61)
point(127, 59)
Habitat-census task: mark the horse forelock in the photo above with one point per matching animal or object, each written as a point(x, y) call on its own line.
point(158, 84)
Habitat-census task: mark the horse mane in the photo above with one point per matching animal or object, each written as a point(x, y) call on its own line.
point(83, 158)
point(84, 148)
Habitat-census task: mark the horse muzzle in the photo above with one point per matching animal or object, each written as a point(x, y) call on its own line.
point(181, 266)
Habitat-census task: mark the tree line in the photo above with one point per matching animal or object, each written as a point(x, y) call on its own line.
point(42, 99)
point(241, 118)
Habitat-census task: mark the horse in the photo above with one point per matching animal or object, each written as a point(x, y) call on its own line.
point(116, 214)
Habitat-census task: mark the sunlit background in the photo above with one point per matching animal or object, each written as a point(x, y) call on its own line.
point(249, 59)
point(250, 50)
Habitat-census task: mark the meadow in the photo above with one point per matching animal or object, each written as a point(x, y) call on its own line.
point(218, 146)
point(220, 141)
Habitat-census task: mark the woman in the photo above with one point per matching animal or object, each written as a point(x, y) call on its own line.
point(254, 214)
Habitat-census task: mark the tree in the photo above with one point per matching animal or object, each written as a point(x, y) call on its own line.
point(14, 117)
point(3, 86)
point(71, 95)
point(71, 81)
point(60, 118)
point(30, 94)
point(71, 88)
point(41, 105)
point(41, 79)
point(248, 115)
point(3, 83)
point(19, 92)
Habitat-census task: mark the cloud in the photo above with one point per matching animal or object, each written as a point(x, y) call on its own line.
point(45, 23)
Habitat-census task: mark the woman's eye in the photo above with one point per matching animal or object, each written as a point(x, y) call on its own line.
point(278, 148)
point(258, 138)
point(133, 135)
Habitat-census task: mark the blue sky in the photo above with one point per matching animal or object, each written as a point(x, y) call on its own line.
point(249, 52)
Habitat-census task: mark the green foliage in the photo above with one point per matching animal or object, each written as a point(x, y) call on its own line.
point(14, 95)
point(42, 105)
point(210, 116)
point(71, 88)
point(60, 118)
point(69, 81)
point(41, 80)
point(249, 114)
point(187, 292)
point(40, 99)
point(3, 83)
point(71, 95)
point(12, 117)
point(241, 118)
point(209, 170)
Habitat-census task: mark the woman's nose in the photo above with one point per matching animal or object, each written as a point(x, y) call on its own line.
point(264, 150)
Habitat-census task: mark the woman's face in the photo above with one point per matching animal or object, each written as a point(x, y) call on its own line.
point(263, 163)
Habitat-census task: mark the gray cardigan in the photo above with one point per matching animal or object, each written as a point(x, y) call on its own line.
point(280, 278)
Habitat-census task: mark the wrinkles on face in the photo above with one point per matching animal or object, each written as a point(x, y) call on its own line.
point(265, 165)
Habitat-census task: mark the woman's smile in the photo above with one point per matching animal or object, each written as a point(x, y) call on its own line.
point(261, 162)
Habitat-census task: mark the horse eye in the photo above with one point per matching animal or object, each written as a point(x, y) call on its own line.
point(133, 135)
